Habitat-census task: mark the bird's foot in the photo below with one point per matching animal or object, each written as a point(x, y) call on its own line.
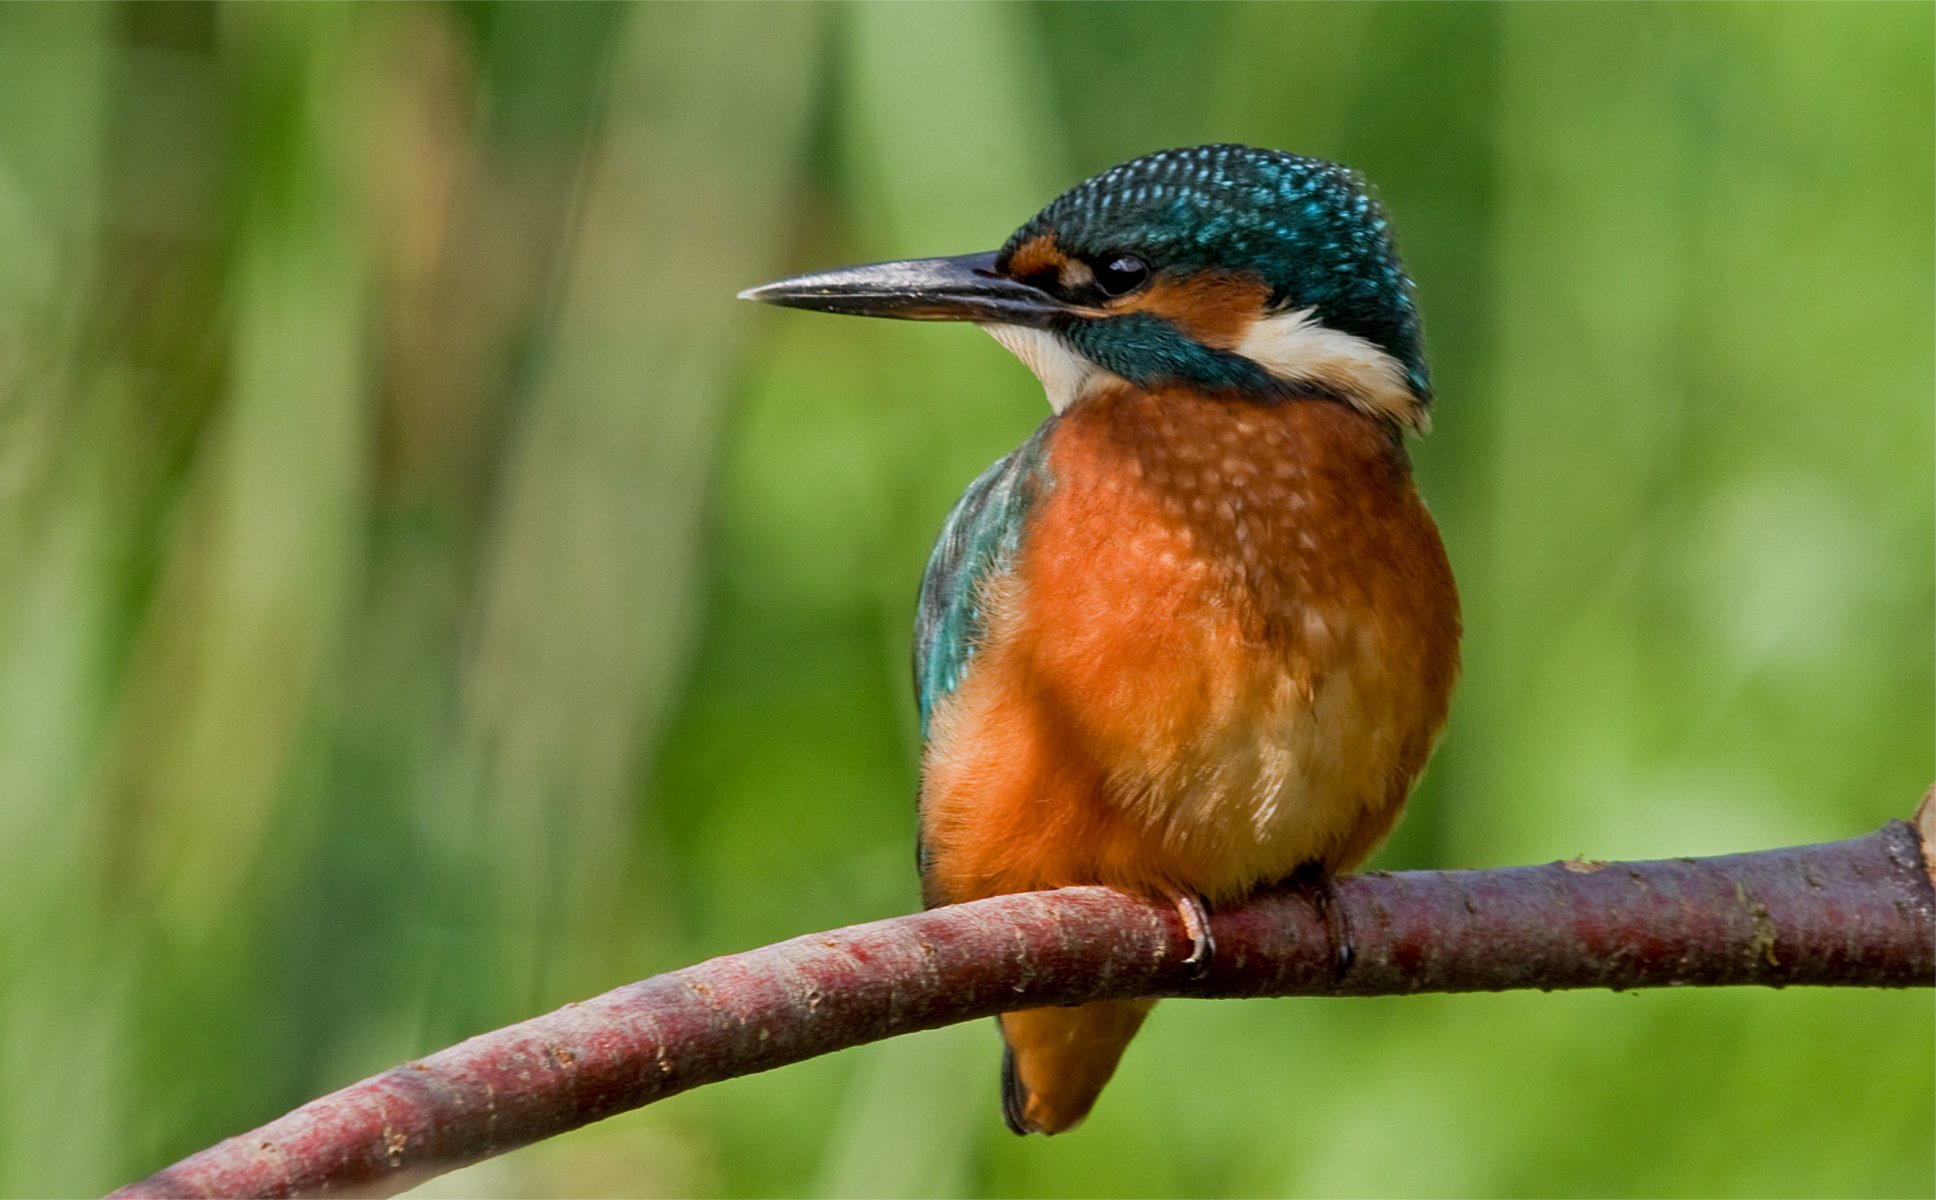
point(1315, 884)
point(1195, 916)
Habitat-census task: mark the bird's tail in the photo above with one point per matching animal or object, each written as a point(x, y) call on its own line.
point(1058, 1059)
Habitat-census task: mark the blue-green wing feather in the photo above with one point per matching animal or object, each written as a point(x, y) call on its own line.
point(978, 542)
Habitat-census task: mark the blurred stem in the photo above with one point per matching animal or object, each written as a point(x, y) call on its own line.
point(1856, 913)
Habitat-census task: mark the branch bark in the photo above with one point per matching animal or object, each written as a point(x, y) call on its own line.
point(1857, 913)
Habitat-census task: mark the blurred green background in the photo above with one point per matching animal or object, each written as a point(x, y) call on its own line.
point(428, 597)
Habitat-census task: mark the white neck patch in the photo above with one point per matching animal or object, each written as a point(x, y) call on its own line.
point(1297, 348)
point(1066, 375)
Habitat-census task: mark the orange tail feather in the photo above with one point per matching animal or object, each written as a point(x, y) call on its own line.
point(1059, 1058)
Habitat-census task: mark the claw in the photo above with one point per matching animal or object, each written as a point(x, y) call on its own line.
point(1316, 884)
point(1196, 922)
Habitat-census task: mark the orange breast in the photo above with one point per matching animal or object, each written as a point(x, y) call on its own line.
point(1226, 651)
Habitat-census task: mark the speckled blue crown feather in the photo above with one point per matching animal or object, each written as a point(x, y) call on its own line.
point(1311, 229)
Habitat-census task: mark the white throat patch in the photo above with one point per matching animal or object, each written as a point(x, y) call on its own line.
point(1066, 375)
point(1297, 348)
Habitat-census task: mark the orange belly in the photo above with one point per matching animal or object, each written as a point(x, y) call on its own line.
point(1225, 651)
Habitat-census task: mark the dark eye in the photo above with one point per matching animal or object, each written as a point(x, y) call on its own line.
point(1121, 274)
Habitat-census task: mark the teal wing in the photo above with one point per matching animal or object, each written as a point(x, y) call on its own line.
point(978, 542)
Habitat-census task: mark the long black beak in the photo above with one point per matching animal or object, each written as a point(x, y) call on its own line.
point(966, 288)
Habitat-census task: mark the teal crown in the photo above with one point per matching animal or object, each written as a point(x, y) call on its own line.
point(1311, 230)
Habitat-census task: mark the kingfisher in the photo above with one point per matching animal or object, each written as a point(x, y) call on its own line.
point(1198, 634)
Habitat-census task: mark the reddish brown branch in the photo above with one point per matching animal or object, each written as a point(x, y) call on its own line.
point(1859, 913)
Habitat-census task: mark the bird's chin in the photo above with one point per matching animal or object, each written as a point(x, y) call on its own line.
point(1066, 374)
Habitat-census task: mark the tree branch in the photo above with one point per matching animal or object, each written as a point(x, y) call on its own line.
point(1857, 913)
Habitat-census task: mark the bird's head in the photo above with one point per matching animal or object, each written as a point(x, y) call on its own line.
point(1222, 268)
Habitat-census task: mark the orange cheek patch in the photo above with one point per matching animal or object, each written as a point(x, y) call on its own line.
point(1036, 256)
point(1214, 308)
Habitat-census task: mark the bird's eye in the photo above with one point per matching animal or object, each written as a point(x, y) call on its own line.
point(1121, 274)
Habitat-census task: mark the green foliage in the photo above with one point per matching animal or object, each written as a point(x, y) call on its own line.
point(427, 597)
